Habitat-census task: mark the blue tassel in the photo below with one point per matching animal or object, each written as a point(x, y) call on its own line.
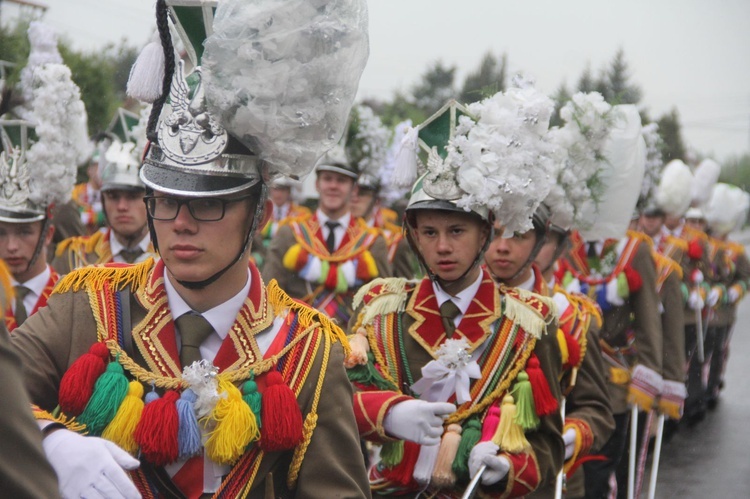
point(189, 433)
point(601, 298)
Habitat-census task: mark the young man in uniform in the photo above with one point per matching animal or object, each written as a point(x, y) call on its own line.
point(323, 258)
point(127, 239)
point(438, 362)
point(246, 393)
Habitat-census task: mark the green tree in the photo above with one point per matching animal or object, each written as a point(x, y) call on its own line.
point(586, 82)
point(736, 171)
point(670, 131)
point(398, 109)
point(614, 82)
point(435, 88)
point(487, 80)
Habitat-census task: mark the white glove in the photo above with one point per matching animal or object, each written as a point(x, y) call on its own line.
point(485, 454)
point(90, 466)
point(417, 421)
point(733, 295)
point(713, 297)
point(695, 302)
point(569, 438)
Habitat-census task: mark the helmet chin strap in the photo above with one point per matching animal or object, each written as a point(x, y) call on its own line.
point(40, 242)
point(259, 209)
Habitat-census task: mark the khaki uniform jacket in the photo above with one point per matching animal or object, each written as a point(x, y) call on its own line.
point(639, 315)
point(333, 466)
point(24, 470)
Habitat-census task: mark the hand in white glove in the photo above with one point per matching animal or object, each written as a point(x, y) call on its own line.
point(569, 438)
point(417, 420)
point(733, 295)
point(485, 454)
point(90, 466)
point(695, 302)
point(713, 297)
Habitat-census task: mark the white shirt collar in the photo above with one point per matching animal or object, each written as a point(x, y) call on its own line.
point(116, 247)
point(36, 286)
point(528, 284)
point(462, 299)
point(221, 317)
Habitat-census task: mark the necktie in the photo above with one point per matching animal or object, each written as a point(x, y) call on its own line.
point(331, 239)
point(131, 255)
point(449, 311)
point(20, 314)
point(194, 329)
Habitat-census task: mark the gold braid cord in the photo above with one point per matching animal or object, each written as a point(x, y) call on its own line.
point(311, 420)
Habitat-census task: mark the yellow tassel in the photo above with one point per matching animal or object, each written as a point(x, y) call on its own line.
point(122, 428)
point(360, 346)
point(96, 277)
point(372, 268)
point(508, 435)
point(5, 286)
point(291, 256)
point(391, 299)
point(235, 425)
point(442, 475)
point(563, 346)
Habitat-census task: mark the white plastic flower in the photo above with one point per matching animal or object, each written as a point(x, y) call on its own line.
point(579, 160)
point(502, 158)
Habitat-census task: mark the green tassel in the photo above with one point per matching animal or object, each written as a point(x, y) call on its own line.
point(252, 398)
point(470, 436)
point(367, 374)
point(341, 284)
point(109, 392)
point(623, 291)
point(567, 279)
point(325, 267)
point(526, 416)
point(392, 453)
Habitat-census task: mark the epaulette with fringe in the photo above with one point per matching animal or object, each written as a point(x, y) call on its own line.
point(117, 275)
point(382, 296)
point(645, 238)
point(85, 244)
point(529, 310)
point(666, 264)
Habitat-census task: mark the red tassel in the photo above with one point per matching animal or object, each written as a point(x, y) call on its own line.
point(491, 420)
point(280, 414)
point(695, 250)
point(333, 276)
point(574, 350)
point(544, 401)
point(403, 473)
point(157, 431)
point(634, 279)
point(77, 383)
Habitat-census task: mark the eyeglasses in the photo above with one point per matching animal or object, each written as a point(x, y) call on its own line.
point(201, 209)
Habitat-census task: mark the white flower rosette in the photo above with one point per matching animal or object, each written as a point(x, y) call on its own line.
point(450, 373)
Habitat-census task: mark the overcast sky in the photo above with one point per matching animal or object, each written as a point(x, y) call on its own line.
point(690, 54)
